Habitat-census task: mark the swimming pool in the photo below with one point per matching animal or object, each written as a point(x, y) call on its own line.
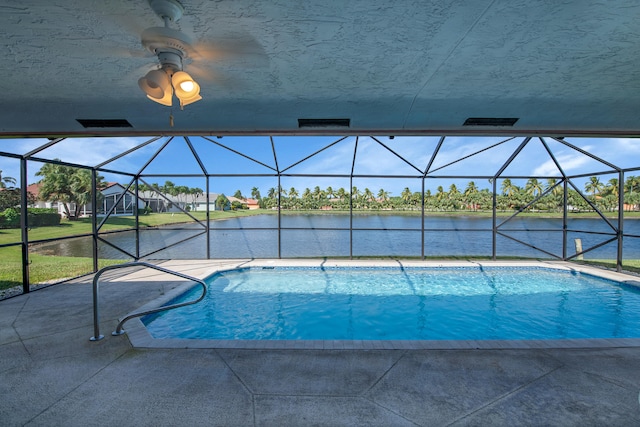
point(397, 303)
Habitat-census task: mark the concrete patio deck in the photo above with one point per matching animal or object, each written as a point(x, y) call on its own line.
point(51, 374)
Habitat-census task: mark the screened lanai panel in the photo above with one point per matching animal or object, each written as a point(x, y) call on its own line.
point(386, 222)
point(416, 149)
point(337, 152)
point(522, 166)
point(10, 271)
point(434, 222)
point(472, 156)
point(65, 190)
point(175, 247)
point(108, 255)
point(377, 243)
point(631, 249)
point(226, 244)
point(374, 158)
point(185, 239)
point(22, 146)
point(602, 190)
point(596, 246)
point(621, 152)
point(251, 223)
point(175, 158)
point(135, 159)
point(89, 151)
point(235, 155)
point(452, 243)
point(314, 243)
point(167, 200)
point(572, 161)
point(325, 194)
point(447, 195)
point(506, 247)
point(537, 243)
point(325, 221)
point(116, 204)
point(9, 179)
point(243, 188)
point(386, 193)
point(61, 259)
point(10, 198)
point(118, 245)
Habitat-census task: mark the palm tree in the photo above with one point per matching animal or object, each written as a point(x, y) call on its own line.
point(508, 188)
point(271, 194)
point(306, 197)
point(293, 197)
point(471, 194)
point(368, 197)
point(593, 186)
point(255, 193)
point(533, 187)
point(555, 196)
point(454, 197)
point(613, 187)
point(406, 195)
point(195, 193)
point(329, 191)
point(67, 185)
point(631, 190)
point(355, 195)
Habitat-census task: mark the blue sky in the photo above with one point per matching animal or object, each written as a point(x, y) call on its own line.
point(372, 158)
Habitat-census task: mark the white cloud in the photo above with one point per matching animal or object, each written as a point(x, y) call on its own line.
point(569, 164)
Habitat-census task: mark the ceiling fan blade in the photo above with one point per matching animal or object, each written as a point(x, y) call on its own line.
point(241, 48)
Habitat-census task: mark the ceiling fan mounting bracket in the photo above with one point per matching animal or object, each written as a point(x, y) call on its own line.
point(171, 9)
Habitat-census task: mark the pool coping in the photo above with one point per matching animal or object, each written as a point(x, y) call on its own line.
point(140, 337)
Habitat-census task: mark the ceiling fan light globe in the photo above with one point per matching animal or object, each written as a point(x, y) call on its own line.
point(184, 85)
point(155, 84)
point(191, 100)
point(165, 100)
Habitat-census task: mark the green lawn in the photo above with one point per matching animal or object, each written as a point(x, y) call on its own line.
point(44, 268)
point(83, 225)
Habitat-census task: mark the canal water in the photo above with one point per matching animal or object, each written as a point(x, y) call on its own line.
point(371, 235)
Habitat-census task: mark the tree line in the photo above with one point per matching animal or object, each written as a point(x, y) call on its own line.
point(548, 196)
point(72, 188)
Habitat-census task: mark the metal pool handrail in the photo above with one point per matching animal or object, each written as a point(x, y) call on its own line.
point(119, 331)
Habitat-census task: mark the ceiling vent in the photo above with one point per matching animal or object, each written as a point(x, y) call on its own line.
point(104, 123)
point(324, 123)
point(490, 121)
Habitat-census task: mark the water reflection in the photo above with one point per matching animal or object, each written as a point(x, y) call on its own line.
point(312, 236)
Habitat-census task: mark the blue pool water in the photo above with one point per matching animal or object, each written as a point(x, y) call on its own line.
point(405, 304)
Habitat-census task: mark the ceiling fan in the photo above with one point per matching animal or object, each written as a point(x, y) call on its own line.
point(171, 47)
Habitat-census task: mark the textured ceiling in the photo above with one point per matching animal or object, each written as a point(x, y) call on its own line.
point(401, 67)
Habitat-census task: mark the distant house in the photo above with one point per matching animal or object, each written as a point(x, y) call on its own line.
point(156, 202)
point(34, 190)
point(125, 206)
point(252, 204)
point(200, 202)
point(109, 199)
